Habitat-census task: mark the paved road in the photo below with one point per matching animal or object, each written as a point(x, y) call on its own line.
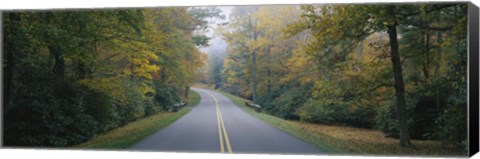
point(217, 125)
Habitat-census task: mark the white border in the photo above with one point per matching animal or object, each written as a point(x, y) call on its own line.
point(6, 5)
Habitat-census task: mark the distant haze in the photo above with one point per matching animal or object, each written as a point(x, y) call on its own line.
point(217, 45)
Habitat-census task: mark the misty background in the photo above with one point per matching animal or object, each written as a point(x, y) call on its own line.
point(216, 50)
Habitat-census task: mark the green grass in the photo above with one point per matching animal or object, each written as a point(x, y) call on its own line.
point(127, 135)
point(350, 140)
point(193, 98)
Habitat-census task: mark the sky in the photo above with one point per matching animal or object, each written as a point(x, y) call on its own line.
point(216, 44)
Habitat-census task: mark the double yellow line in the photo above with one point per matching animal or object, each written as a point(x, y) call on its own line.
point(222, 132)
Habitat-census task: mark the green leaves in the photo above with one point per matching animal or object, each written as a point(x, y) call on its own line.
point(201, 40)
point(202, 15)
point(108, 65)
point(343, 53)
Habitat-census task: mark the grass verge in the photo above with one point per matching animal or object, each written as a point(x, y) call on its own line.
point(127, 135)
point(349, 140)
point(193, 98)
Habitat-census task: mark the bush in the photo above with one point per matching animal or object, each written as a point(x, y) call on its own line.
point(424, 118)
point(151, 108)
point(285, 101)
point(103, 109)
point(453, 124)
point(134, 108)
point(48, 111)
point(339, 113)
point(452, 121)
point(164, 98)
point(362, 116)
point(314, 111)
point(386, 120)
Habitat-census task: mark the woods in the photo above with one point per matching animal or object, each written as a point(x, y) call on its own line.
point(72, 74)
point(398, 68)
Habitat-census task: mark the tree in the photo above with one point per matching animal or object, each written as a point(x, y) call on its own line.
point(86, 72)
point(338, 29)
point(240, 35)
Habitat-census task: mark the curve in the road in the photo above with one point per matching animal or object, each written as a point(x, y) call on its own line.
point(216, 124)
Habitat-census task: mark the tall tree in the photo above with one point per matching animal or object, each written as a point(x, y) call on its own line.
point(340, 28)
point(86, 72)
point(241, 35)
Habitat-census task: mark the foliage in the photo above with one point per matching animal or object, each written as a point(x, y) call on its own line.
point(73, 74)
point(52, 112)
point(257, 31)
point(125, 136)
point(166, 96)
point(349, 140)
point(317, 112)
point(131, 133)
point(284, 105)
point(349, 76)
point(399, 68)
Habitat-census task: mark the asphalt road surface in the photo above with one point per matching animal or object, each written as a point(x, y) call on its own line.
point(216, 125)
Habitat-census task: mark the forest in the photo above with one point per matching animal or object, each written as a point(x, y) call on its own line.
point(71, 74)
point(398, 68)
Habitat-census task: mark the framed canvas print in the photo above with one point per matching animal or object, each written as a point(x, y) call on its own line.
point(296, 79)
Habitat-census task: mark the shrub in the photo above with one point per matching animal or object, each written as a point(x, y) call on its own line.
point(103, 109)
point(164, 98)
point(336, 113)
point(48, 111)
point(423, 114)
point(452, 121)
point(427, 119)
point(314, 111)
point(284, 101)
point(386, 120)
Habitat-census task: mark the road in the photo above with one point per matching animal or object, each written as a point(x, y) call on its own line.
point(216, 125)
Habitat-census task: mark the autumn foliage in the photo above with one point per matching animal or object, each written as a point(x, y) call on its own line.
point(399, 68)
point(72, 74)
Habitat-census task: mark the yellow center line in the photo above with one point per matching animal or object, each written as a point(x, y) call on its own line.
point(220, 132)
point(221, 126)
point(227, 141)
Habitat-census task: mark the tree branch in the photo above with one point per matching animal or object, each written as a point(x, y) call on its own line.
point(375, 88)
point(435, 8)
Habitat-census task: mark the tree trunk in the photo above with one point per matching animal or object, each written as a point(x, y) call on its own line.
point(254, 78)
point(55, 51)
point(11, 50)
point(186, 91)
point(269, 83)
point(398, 78)
point(254, 61)
point(437, 89)
point(80, 70)
point(269, 71)
point(59, 67)
point(399, 86)
point(254, 72)
point(426, 64)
